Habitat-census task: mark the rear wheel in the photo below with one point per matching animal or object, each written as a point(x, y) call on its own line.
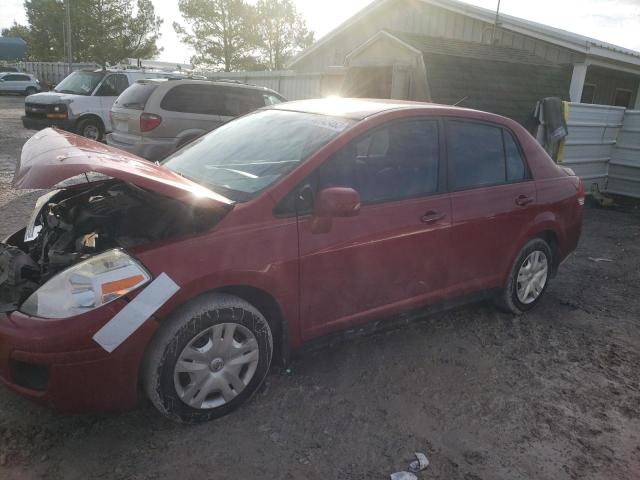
point(90, 128)
point(208, 359)
point(30, 91)
point(528, 278)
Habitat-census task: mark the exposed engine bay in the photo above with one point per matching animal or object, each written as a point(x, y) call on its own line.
point(81, 221)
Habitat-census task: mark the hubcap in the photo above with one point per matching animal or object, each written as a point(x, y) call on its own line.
point(91, 131)
point(216, 365)
point(532, 277)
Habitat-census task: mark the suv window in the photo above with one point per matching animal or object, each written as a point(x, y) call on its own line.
point(136, 95)
point(212, 100)
point(113, 85)
point(481, 155)
point(17, 78)
point(394, 162)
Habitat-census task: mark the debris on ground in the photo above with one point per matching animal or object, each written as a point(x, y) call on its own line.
point(403, 476)
point(420, 463)
point(600, 259)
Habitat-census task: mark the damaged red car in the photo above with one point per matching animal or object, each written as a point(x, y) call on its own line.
point(187, 279)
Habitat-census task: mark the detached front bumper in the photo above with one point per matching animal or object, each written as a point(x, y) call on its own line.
point(57, 364)
point(39, 123)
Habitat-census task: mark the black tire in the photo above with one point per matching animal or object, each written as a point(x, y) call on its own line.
point(91, 128)
point(508, 300)
point(30, 91)
point(178, 331)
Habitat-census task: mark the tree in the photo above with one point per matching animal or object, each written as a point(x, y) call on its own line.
point(282, 32)
point(108, 31)
point(103, 31)
point(220, 32)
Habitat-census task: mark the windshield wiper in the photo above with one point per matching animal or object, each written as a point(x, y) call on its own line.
point(68, 91)
point(233, 170)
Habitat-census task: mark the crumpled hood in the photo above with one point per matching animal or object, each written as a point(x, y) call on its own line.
point(51, 156)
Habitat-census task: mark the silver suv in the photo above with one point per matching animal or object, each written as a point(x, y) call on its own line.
point(18, 82)
point(153, 118)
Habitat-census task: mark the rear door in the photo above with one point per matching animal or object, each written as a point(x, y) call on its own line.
point(493, 200)
point(394, 254)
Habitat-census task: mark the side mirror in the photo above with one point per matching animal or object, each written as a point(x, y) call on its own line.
point(337, 202)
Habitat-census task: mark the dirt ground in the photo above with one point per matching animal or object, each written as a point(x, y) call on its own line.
point(554, 394)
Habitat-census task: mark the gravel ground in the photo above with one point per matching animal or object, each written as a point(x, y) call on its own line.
point(554, 394)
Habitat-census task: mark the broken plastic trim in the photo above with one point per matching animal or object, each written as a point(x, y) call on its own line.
point(135, 313)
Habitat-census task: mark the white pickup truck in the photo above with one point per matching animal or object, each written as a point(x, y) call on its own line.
point(81, 102)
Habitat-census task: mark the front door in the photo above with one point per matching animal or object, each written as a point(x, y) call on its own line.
point(110, 88)
point(393, 255)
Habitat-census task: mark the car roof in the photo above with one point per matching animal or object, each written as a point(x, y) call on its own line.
point(360, 108)
point(192, 81)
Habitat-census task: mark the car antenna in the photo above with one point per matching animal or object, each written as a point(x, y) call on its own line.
point(460, 101)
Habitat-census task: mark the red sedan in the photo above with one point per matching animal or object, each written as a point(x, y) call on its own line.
point(192, 276)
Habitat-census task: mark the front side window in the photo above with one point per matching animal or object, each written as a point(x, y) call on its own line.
point(391, 163)
point(80, 83)
point(113, 85)
point(244, 156)
point(481, 155)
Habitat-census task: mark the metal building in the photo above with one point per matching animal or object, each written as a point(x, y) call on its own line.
point(446, 51)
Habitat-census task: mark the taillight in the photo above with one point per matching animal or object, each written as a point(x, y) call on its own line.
point(581, 194)
point(149, 121)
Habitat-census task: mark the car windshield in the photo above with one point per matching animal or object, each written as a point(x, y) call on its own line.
point(247, 155)
point(80, 83)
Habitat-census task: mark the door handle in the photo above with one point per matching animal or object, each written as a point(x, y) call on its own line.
point(432, 217)
point(523, 200)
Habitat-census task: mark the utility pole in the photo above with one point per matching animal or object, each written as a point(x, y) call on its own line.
point(68, 50)
point(495, 25)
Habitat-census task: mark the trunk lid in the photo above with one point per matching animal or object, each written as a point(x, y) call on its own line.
point(51, 156)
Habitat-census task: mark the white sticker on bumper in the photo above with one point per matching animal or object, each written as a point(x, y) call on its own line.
point(136, 312)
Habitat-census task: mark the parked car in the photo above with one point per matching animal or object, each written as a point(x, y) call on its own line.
point(153, 118)
point(21, 83)
point(81, 102)
point(191, 276)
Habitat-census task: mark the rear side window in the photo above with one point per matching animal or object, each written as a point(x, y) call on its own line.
point(515, 165)
point(212, 100)
point(482, 155)
point(270, 99)
point(136, 95)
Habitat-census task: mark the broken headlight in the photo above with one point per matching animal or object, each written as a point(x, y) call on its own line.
point(32, 230)
point(86, 285)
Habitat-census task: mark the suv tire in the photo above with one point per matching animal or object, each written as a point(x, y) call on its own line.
point(30, 91)
point(207, 359)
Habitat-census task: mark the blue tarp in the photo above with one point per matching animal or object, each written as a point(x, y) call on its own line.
point(12, 48)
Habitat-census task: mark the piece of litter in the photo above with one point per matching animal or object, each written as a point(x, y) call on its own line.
point(420, 463)
point(403, 476)
point(600, 259)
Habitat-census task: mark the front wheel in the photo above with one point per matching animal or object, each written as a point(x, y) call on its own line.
point(207, 359)
point(528, 278)
point(90, 128)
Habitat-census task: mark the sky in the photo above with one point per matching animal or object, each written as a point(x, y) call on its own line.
point(613, 21)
